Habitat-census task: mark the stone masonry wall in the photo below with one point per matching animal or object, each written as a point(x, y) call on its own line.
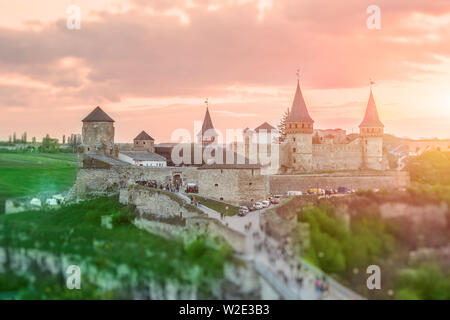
point(153, 204)
point(236, 186)
point(280, 184)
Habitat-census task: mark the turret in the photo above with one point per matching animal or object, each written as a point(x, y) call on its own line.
point(371, 133)
point(98, 134)
point(143, 142)
point(208, 134)
point(299, 131)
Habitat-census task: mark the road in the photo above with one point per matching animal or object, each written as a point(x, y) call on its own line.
point(278, 268)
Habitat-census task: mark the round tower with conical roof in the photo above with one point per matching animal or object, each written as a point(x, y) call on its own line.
point(299, 132)
point(371, 133)
point(98, 134)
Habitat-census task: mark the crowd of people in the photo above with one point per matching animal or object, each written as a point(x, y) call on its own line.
point(283, 262)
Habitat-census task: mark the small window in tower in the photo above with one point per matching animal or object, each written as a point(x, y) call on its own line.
point(303, 125)
point(293, 139)
point(89, 149)
point(216, 185)
point(294, 150)
point(143, 142)
point(295, 161)
point(295, 126)
point(249, 183)
point(221, 198)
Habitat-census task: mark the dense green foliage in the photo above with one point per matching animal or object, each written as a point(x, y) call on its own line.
point(423, 282)
point(217, 205)
point(338, 249)
point(76, 229)
point(431, 167)
point(27, 174)
point(345, 248)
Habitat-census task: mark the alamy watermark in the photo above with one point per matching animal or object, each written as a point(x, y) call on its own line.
point(73, 280)
point(74, 18)
point(374, 280)
point(373, 21)
point(237, 147)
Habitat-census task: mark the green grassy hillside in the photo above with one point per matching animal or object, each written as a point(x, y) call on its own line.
point(77, 230)
point(25, 174)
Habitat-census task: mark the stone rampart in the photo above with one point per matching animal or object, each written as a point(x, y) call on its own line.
point(280, 184)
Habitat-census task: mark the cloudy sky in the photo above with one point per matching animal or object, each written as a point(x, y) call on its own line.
point(151, 64)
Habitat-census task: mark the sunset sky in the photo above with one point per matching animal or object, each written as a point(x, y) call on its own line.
point(151, 64)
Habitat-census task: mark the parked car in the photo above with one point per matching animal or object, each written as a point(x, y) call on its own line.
point(244, 208)
point(275, 200)
point(265, 203)
point(242, 212)
point(258, 205)
point(342, 190)
point(316, 191)
point(251, 207)
point(191, 188)
point(294, 193)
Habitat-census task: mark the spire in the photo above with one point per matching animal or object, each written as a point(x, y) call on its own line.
point(98, 115)
point(371, 118)
point(207, 124)
point(299, 112)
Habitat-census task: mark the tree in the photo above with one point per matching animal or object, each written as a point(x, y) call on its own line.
point(14, 138)
point(49, 144)
point(64, 139)
point(282, 126)
point(24, 137)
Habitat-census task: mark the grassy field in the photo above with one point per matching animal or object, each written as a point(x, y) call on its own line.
point(25, 174)
point(217, 205)
point(76, 229)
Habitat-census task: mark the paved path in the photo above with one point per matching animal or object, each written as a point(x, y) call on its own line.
point(276, 268)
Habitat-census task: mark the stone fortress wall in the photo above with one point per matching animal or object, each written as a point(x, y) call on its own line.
point(236, 186)
point(162, 212)
point(280, 184)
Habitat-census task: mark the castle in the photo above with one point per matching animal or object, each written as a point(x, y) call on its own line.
point(305, 150)
point(246, 178)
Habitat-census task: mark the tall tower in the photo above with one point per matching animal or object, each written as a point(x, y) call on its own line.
point(371, 132)
point(98, 134)
point(299, 132)
point(208, 134)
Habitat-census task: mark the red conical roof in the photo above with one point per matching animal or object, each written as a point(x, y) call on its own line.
point(299, 112)
point(371, 118)
point(207, 125)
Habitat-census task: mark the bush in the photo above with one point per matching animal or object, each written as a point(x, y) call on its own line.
point(123, 217)
point(426, 282)
point(93, 216)
point(337, 249)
